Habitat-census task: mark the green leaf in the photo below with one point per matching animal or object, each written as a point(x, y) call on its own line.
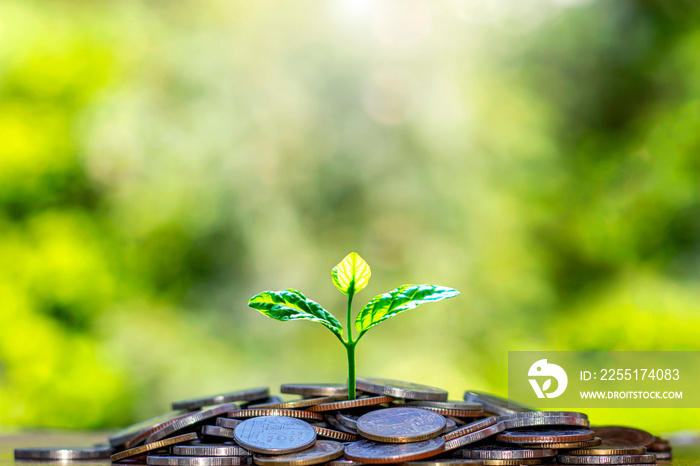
point(292, 305)
point(351, 274)
point(401, 299)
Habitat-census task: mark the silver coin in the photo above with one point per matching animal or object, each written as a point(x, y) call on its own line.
point(608, 459)
point(450, 425)
point(474, 437)
point(527, 414)
point(216, 431)
point(535, 421)
point(400, 389)
point(336, 424)
point(268, 400)
point(158, 460)
point(540, 436)
point(506, 452)
point(322, 451)
point(63, 453)
point(495, 404)
point(460, 405)
point(400, 425)
point(192, 419)
point(371, 452)
point(347, 419)
point(663, 455)
point(446, 462)
point(315, 389)
point(253, 394)
point(209, 450)
point(472, 427)
point(342, 462)
point(227, 422)
point(274, 435)
point(128, 434)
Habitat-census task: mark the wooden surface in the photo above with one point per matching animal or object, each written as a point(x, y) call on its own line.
point(687, 454)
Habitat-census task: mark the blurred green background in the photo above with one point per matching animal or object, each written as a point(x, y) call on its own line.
point(163, 161)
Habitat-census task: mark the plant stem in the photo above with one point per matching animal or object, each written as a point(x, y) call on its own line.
point(350, 347)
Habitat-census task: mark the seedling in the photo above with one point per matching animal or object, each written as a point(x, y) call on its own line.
point(350, 276)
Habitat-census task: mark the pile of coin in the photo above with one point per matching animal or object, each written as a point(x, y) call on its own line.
point(390, 422)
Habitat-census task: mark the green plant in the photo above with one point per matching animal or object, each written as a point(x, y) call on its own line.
point(350, 276)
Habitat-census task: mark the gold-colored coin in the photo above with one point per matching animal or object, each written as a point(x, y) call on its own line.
point(304, 403)
point(335, 434)
point(565, 445)
point(511, 462)
point(608, 450)
point(153, 446)
point(299, 414)
point(348, 404)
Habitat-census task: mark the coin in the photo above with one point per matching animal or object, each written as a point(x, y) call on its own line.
point(461, 405)
point(153, 446)
point(371, 452)
point(400, 389)
point(299, 414)
point(566, 445)
point(546, 436)
point(242, 395)
point(333, 421)
point(660, 445)
point(315, 389)
point(475, 436)
point(400, 425)
point(494, 404)
point(127, 435)
point(445, 462)
point(335, 434)
point(349, 404)
point(268, 400)
point(663, 455)
point(534, 421)
point(303, 403)
point(524, 414)
point(190, 420)
point(624, 436)
point(347, 419)
point(322, 451)
point(342, 462)
point(209, 450)
point(141, 438)
point(217, 431)
point(506, 452)
point(472, 427)
point(158, 460)
point(452, 412)
point(511, 462)
point(450, 425)
point(63, 453)
point(607, 459)
point(274, 435)
point(608, 450)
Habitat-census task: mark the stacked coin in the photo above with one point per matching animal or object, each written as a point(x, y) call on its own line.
point(390, 422)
